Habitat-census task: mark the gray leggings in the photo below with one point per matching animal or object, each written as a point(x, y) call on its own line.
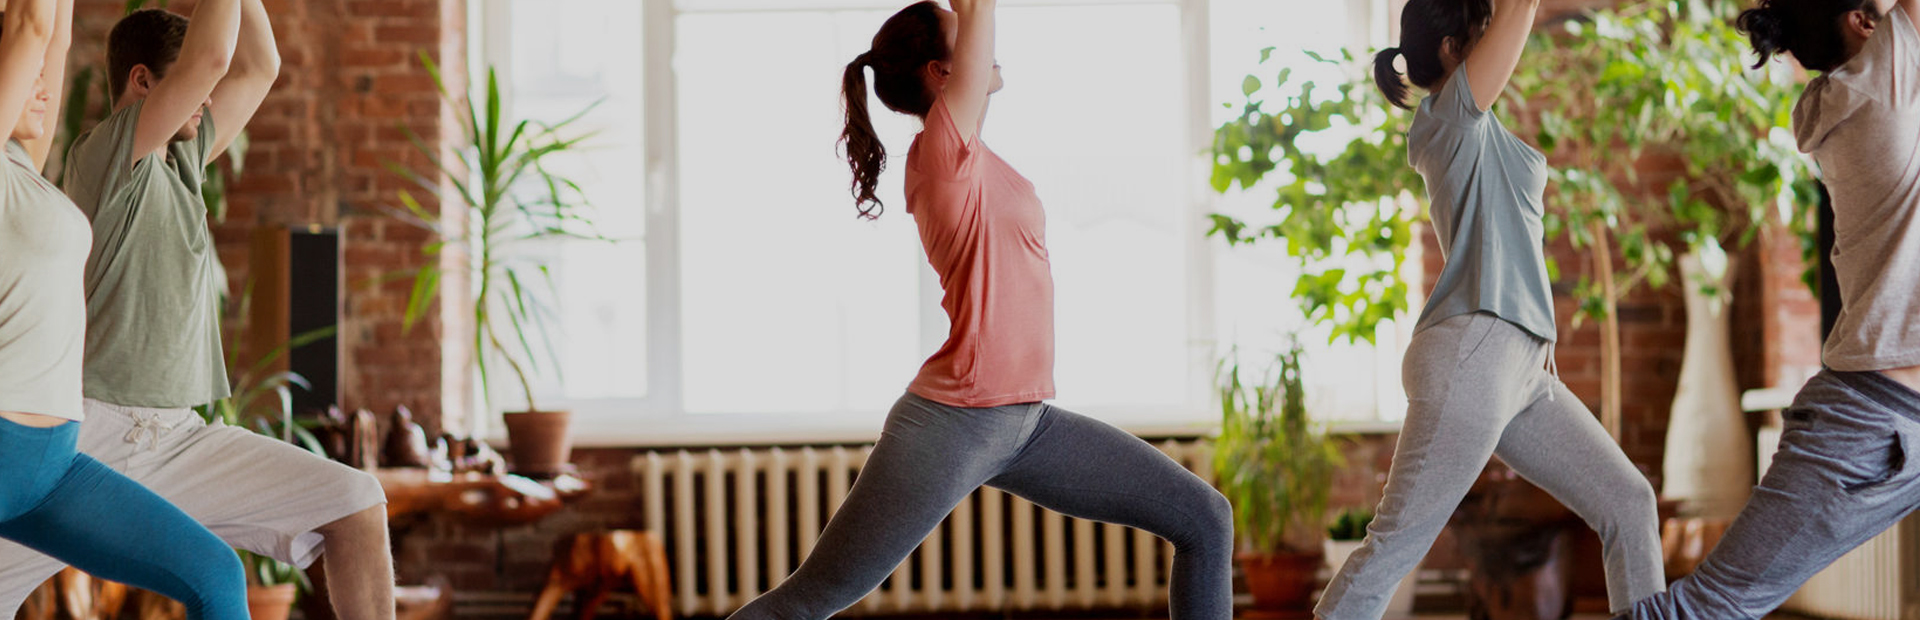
point(1848, 468)
point(1477, 387)
point(931, 455)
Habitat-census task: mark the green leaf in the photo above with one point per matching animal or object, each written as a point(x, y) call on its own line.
point(426, 286)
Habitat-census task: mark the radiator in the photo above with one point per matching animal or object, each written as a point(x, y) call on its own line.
point(739, 521)
point(1880, 580)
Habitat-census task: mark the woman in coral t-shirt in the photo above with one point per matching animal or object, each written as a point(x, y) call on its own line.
point(974, 415)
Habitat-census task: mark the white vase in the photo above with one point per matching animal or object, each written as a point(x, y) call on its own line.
point(1709, 460)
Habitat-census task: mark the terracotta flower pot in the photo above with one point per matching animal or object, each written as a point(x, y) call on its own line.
point(1282, 583)
point(539, 443)
point(270, 602)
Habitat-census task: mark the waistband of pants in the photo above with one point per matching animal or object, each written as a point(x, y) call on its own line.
point(1877, 388)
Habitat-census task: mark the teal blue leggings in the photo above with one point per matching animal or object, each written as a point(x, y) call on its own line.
point(65, 504)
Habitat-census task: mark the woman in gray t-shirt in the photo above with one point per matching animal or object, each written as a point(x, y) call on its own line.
point(1476, 371)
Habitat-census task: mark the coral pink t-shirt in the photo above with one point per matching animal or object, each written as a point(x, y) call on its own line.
point(986, 235)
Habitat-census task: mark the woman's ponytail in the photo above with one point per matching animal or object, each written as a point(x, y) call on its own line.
point(866, 156)
point(1391, 83)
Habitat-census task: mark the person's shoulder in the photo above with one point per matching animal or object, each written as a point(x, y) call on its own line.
point(114, 130)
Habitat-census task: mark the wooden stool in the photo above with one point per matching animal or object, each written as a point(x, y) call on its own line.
point(602, 561)
point(75, 594)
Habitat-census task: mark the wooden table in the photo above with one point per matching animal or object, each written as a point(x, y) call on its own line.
point(487, 500)
point(480, 499)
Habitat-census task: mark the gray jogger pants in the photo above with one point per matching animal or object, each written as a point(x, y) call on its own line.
point(1848, 468)
point(1477, 386)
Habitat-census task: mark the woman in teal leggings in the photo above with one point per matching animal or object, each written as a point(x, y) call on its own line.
point(52, 498)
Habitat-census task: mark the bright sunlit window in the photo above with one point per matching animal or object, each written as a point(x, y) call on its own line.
point(788, 307)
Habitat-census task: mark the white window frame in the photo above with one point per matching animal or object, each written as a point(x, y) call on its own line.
point(660, 419)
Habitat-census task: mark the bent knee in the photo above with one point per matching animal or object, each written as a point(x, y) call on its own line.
point(361, 493)
point(1632, 505)
point(363, 489)
point(1214, 519)
point(215, 576)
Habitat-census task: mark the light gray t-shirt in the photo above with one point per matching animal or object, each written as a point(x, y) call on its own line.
point(1861, 123)
point(43, 313)
point(1484, 185)
point(153, 321)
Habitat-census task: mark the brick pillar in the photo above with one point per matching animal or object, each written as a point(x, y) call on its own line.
point(350, 79)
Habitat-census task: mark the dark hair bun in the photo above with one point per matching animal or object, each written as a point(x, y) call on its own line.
point(1766, 30)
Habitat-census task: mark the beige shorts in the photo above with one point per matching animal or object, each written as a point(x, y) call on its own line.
point(257, 493)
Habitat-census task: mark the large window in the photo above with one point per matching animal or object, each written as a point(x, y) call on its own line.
point(745, 296)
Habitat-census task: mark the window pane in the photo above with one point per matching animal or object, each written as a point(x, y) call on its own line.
point(567, 55)
point(829, 310)
point(1254, 309)
point(1094, 114)
point(790, 303)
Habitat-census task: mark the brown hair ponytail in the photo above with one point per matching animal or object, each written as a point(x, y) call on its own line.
point(866, 156)
point(905, 44)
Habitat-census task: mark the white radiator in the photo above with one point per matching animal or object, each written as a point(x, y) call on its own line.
point(738, 521)
point(1878, 581)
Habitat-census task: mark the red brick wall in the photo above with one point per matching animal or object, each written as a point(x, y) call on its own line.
point(348, 81)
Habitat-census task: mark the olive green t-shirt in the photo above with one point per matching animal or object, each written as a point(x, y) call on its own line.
point(153, 324)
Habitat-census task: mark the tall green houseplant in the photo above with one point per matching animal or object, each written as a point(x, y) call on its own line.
point(1272, 463)
point(510, 199)
point(1601, 96)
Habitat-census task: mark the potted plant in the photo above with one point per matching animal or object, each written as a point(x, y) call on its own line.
point(1277, 470)
point(1344, 536)
point(272, 586)
point(509, 201)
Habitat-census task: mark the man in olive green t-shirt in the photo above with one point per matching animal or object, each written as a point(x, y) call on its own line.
point(182, 90)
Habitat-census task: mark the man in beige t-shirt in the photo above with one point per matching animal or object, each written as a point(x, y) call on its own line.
point(182, 91)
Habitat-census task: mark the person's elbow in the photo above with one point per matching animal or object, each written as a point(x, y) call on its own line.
point(29, 25)
point(264, 65)
point(210, 61)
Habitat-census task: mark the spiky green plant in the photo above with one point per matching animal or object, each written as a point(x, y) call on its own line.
point(1272, 462)
point(510, 198)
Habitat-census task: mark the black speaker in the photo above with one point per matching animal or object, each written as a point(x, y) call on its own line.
point(295, 274)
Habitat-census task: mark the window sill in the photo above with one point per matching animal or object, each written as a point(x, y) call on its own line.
point(745, 430)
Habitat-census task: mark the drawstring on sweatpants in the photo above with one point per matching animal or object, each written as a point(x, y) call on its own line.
point(147, 427)
point(1553, 369)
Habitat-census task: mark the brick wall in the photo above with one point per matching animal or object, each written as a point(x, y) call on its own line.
point(349, 80)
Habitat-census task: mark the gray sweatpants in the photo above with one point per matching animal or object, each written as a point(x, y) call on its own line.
point(931, 455)
point(1845, 472)
point(1476, 387)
